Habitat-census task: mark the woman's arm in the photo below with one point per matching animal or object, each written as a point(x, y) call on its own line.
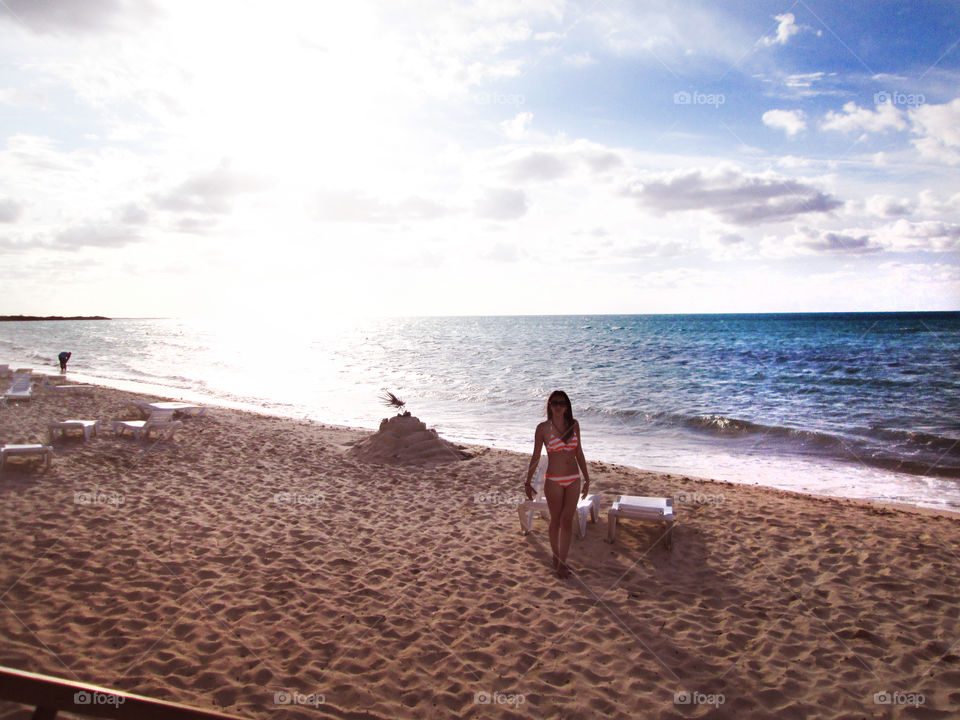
point(534, 460)
point(537, 448)
point(582, 462)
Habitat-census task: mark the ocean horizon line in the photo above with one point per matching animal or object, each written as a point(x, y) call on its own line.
point(758, 313)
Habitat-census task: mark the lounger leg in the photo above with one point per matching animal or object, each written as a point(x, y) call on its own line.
point(582, 522)
point(668, 538)
point(611, 527)
point(524, 526)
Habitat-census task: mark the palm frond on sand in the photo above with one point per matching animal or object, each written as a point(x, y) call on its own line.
point(391, 400)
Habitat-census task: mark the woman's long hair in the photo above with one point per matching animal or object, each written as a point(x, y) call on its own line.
point(567, 413)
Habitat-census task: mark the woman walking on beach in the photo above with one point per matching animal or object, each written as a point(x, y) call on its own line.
point(560, 433)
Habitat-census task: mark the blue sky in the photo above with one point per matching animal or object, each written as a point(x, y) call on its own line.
point(541, 156)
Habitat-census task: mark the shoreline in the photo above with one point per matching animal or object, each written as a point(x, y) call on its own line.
point(171, 393)
point(254, 555)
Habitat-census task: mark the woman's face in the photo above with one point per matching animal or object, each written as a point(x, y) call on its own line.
point(558, 406)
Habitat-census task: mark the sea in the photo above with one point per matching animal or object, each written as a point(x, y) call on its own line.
point(863, 405)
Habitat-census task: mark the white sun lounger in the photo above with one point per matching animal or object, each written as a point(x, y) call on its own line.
point(21, 387)
point(586, 507)
point(88, 427)
point(44, 451)
point(638, 507)
point(158, 422)
point(183, 408)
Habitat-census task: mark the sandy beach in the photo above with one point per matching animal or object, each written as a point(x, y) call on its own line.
point(256, 565)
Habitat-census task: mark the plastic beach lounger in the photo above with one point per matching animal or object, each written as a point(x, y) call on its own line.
point(43, 451)
point(586, 507)
point(87, 427)
point(188, 409)
point(179, 407)
point(21, 387)
point(158, 422)
point(647, 509)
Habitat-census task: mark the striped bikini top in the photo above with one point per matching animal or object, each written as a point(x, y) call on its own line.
point(555, 444)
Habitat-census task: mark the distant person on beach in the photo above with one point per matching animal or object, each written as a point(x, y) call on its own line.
point(560, 432)
point(64, 356)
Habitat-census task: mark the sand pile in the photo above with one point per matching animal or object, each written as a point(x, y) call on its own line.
point(404, 440)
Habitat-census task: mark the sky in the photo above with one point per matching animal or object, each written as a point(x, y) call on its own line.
point(332, 159)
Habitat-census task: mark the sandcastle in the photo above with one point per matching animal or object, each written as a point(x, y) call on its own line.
point(405, 440)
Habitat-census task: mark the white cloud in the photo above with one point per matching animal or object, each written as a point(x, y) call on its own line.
point(133, 214)
point(68, 16)
point(517, 127)
point(926, 236)
point(579, 60)
point(502, 252)
point(790, 121)
point(792, 161)
point(537, 165)
point(804, 80)
point(901, 236)
point(10, 210)
point(94, 235)
point(561, 160)
point(601, 160)
point(546, 36)
point(209, 192)
point(810, 84)
point(931, 204)
point(939, 129)
point(24, 98)
point(501, 204)
point(735, 196)
point(853, 118)
point(672, 36)
point(354, 206)
point(888, 206)
point(835, 243)
point(786, 29)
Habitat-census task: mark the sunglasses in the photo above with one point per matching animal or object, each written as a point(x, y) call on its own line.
point(559, 403)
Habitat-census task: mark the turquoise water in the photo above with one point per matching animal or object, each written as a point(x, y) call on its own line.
point(857, 404)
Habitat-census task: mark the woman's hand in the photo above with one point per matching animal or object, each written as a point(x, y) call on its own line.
point(586, 489)
point(528, 489)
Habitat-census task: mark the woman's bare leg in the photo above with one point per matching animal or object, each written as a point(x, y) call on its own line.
point(571, 495)
point(555, 498)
